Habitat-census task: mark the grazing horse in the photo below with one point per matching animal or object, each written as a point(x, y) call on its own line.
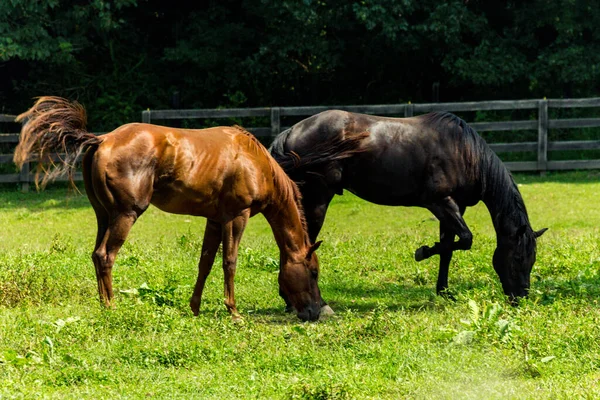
point(221, 173)
point(435, 161)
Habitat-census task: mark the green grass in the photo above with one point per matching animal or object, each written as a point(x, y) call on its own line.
point(391, 336)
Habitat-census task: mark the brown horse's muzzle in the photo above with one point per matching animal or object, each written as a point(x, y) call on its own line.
point(310, 313)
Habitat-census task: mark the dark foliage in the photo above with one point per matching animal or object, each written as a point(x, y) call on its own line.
point(119, 57)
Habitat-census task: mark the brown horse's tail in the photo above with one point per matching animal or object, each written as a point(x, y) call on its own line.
point(54, 128)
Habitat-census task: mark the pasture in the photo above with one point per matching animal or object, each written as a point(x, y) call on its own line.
point(391, 336)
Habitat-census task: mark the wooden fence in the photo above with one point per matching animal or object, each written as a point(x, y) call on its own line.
point(543, 124)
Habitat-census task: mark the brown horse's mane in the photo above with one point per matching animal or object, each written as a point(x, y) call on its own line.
point(287, 187)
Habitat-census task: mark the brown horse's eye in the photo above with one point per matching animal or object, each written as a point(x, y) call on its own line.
point(314, 274)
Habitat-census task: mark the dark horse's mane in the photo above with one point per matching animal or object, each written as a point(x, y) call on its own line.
point(497, 184)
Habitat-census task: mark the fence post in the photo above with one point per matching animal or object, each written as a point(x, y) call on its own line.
point(409, 110)
point(147, 116)
point(24, 178)
point(542, 150)
point(275, 121)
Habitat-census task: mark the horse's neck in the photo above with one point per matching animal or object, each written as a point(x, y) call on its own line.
point(288, 228)
point(504, 202)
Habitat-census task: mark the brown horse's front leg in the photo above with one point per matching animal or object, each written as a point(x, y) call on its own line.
point(104, 278)
point(232, 234)
point(210, 245)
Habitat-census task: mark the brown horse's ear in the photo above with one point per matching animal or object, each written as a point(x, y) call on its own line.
point(312, 249)
point(539, 233)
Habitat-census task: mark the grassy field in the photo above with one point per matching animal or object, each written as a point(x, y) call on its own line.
point(391, 336)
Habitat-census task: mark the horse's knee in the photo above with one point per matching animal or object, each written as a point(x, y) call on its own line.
point(229, 264)
point(103, 262)
point(98, 256)
point(99, 260)
point(466, 241)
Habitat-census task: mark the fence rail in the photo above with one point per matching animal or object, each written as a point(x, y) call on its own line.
point(7, 118)
point(542, 125)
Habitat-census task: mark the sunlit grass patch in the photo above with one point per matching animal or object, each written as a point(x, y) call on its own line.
point(391, 336)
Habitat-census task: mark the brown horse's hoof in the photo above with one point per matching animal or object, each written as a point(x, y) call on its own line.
point(420, 254)
point(237, 318)
point(326, 312)
point(195, 306)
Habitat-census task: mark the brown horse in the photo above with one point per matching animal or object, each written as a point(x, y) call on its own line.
point(222, 173)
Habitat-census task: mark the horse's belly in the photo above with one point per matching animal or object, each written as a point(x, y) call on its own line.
point(213, 201)
point(180, 203)
point(384, 186)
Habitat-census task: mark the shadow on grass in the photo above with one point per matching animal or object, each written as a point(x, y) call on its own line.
point(552, 289)
point(393, 296)
point(368, 297)
point(57, 196)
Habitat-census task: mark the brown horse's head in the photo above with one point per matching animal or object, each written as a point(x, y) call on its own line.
point(513, 259)
point(298, 281)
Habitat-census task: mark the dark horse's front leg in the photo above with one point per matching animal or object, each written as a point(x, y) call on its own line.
point(451, 224)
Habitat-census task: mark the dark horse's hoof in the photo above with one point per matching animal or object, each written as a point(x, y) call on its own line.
point(422, 253)
point(446, 294)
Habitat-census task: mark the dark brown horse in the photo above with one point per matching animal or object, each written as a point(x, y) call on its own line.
point(222, 173)
point(435, 161)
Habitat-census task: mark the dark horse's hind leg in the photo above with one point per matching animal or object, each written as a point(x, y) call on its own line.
point(451, 224)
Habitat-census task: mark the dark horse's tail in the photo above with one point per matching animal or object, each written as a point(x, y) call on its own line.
point(322, 152)
point(53, 126)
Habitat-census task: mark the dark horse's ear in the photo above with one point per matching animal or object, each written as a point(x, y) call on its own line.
point(312, 249)
point(539, 233)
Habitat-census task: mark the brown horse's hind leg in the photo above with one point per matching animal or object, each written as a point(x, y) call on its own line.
point(210, 245)
point(102, 221)
point(102, 218)
point(105, 254)
point(232, 234)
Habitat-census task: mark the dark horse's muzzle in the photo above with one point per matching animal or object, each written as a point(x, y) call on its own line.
point(515, 295)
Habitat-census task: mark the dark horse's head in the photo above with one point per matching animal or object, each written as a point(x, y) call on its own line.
point(513, 259)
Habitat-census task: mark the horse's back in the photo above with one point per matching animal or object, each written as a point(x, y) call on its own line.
point(182, 171)
point(409, 161)
point(403, 161)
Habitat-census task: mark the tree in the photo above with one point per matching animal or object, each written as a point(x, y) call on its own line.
point(119, 57)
